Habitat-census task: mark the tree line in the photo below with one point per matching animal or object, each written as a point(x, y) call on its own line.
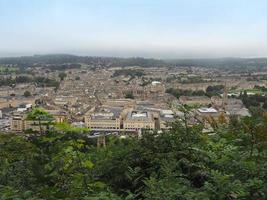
point(212, 90)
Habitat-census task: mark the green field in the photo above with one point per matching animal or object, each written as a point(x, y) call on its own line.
point(249, 92)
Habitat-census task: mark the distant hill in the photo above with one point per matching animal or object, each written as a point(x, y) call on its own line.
point(65, 59)
point(222, 62)
point(60, 59)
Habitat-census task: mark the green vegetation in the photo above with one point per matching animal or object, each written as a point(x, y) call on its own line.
point(62, 75)
point(188, 79)
point(8, 70)
point(62, 62)
point(255, 100)
point(46, 82)
point(27, 94)
point(39, 81)
point(129, 95)
point(182, 163)
point(257, 90)
point(214, 90)
point(128, 72)
point(43, 118)
point(178, 92)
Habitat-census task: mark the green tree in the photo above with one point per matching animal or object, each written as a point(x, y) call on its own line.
point(62, 75)
point(129, 95)
point(27, 93)
point(41, 116)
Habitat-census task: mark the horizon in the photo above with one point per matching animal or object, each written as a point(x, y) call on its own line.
point(129, 57)
point(160, 29)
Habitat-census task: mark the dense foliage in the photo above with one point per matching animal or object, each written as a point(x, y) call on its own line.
point(179, 92)
point(182, 163)
point(129, 72)
point(129, 95)
point(256, 100)
point(212, 90)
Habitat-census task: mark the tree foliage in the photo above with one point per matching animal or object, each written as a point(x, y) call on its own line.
point(182, 163)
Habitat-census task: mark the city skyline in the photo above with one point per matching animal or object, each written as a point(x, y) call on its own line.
point(159, 29)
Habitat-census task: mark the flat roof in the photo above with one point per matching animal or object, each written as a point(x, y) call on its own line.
point(107, 113)
point(139, 115)
point(207, 110)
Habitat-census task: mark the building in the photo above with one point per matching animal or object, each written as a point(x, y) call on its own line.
point(65, 100)
point(166, 117)
point(105, 119)
point(195, 100)
point(136, 120)
point(17, 122)
point(206, 115)
point(207, 112)
point(157, 87)
point(120, 102)
point(35, 125)
point(58, 115)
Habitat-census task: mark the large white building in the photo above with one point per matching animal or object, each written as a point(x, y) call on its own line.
point(136, 120)
point(105, 119)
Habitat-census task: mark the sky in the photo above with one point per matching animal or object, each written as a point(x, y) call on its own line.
point(127, 28)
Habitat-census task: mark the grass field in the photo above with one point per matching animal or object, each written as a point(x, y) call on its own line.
point(249, 92)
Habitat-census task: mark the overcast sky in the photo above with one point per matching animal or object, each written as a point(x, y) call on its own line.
point(149, 28)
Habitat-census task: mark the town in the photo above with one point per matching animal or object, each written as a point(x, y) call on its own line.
point(113, 98)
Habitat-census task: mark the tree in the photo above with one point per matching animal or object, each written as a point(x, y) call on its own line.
point(129, 95)
point(41, 116)
point(27, 94)
point(62, 75)
point(180, 163)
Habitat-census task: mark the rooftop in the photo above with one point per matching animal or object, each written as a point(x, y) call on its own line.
point(107, 113)
point(207, 110)
point(139, 115)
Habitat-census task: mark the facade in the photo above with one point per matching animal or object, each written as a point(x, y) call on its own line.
point(35, 125)
point(157, 87)
point(137, 120)
point(120, 102)
point(17, 122)
point(195, 100)
point(166, 117)
point(58, 115)
point(105, 119)
point(65, 100)
point(206, 114)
